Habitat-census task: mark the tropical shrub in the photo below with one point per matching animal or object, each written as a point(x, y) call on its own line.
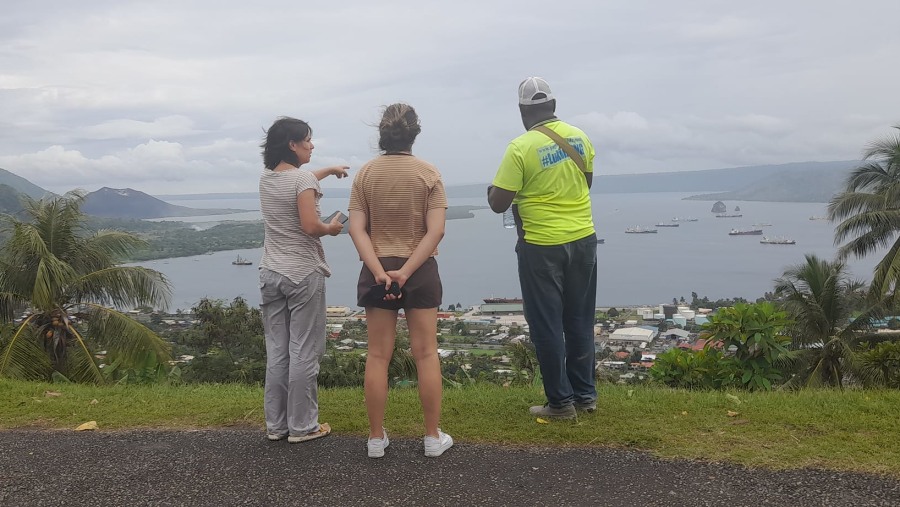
point(687, 369)
point(820, 299)
point(752, 334)
point(883, 364)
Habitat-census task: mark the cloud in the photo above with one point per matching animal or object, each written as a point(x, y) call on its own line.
point(627, 142)
point(174, 95)
point(725, 28)
point(165, 127)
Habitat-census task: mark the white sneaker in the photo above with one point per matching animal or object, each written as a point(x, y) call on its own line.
point(377, 445)
point(436, 446)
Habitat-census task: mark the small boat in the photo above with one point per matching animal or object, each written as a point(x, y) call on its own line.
point(496, 301)
point(745, 232)
point(666, 224)
point(777, 241)
point(600, 241)
point(639, 230)
point(725, 215)
point(815, 217)
point(240, 261)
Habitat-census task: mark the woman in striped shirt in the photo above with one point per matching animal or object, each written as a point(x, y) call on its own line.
point(292, 281)
point(397, 212)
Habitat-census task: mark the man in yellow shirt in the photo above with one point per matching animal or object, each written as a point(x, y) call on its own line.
point(546, 176)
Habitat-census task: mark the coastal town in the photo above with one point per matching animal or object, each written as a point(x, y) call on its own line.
point(627, 339)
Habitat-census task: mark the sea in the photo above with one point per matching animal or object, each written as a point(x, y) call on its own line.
point(477, 259)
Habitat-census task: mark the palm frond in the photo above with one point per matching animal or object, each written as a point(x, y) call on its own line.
point(51, 278)
point(402, 365)
point(872, 228)
point(887, 271)
point(123, 337)
point(80, 365)
point(103, 249)
point(11, 304)
point(23, 358)
point(886, 149)
point(122, 286)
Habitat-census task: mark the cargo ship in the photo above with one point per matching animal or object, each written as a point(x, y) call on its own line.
point(745, 232)
point(777, 241)
point(639, 230)
point(500, 301)
point(665, 224)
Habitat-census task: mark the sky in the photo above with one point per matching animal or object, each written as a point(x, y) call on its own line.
point(173, 97)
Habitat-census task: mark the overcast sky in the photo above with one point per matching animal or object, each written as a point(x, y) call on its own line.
point(172, 97)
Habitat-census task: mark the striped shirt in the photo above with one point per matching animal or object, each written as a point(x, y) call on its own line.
point(396, 192)
point(287, 250)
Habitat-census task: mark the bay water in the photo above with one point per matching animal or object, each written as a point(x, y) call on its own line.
point(477, 259)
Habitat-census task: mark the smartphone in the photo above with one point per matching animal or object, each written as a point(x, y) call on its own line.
point(342, 218)
point(377, 292)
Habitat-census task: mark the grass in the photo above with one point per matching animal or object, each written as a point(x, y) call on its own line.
point(849, 430)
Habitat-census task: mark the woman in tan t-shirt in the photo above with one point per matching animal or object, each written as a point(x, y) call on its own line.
point(397, 212)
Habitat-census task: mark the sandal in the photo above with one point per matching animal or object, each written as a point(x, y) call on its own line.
point(324, 431)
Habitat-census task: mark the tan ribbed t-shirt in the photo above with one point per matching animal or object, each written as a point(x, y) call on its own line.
point(396, 192)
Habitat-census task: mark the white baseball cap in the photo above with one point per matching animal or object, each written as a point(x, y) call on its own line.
point(534, 90)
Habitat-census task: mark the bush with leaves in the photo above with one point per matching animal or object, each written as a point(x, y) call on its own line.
point(524, 363)
point(687, 369)
point(882, 362)
point(755, 334)
point(229, 339)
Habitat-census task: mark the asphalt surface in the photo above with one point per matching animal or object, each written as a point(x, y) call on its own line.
point(239, 467)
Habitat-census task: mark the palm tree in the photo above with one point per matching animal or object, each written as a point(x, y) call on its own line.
point(820, 298)
point(67, 283)
point(869, 213)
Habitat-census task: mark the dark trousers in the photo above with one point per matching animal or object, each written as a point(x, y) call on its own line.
point(559, 289)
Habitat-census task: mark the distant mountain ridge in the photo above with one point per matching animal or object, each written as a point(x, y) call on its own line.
point(22, 185)
point(794, 178)
point(793, 182)
point(10, 200)
point(130, 203)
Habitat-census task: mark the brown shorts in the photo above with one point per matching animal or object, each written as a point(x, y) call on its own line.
point(422, 290)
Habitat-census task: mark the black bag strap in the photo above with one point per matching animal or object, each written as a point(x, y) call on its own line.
point(566, 147)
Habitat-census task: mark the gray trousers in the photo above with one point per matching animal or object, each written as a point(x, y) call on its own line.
point(294, 321)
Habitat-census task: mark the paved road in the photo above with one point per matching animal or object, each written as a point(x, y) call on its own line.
point(238, 467)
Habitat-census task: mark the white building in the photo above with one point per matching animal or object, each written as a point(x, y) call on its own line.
point(646, 313)
point(631, 337)
point(337, 311)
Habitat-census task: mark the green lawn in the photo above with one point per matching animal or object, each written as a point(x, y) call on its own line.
point(851, 430)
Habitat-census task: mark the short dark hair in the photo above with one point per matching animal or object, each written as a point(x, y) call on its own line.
point(398, 128)
point(276, 147)
point(535, 113)
point(542, 109)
